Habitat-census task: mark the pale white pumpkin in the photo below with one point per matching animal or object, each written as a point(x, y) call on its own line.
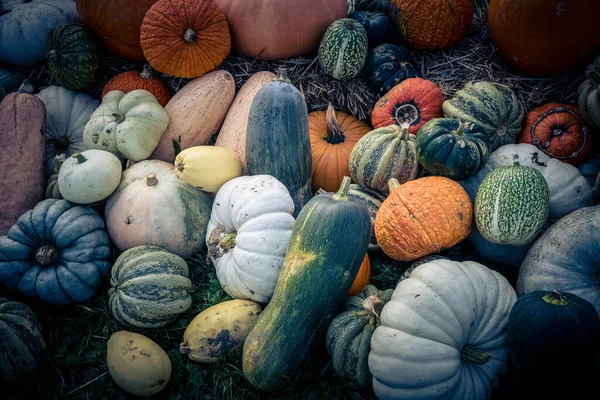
point(89, 176)
point(443, 335)
point(128, 125)
point(248, 234)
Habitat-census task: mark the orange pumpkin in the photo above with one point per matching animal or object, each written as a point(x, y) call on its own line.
point(432, 24)
point(132, 80)
point(414, 101)
point(422, 217)
point(332, 138)
point(185, 38)
point(363, 278)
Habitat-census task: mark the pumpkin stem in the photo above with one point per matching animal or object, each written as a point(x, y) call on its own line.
point(80, 157)
point(393, 184)
point(555, 298)
point(342, 193)
point(119, 117)
point(473, 355)
point(282, 75)
point(52, 56)
point(151, 180)
point(334, 132)
point(146, 72)
point(460, 131)
point(189, 35)
point(184, 348)
point(220, 241)
point(516, 164)
point(46, 255)
point(179, 166)
point(228, 241)
point(404, 131)
point(373, 305)
point(26, 87)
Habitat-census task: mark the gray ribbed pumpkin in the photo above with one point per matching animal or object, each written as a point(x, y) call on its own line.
point(384, 153)
point(150, 287)
point(21, 342)
point(343, 49)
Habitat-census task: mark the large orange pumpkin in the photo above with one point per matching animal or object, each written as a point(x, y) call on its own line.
point(185, 38)
point(432, 24)
point(274, 29)
point(422, 217)
point(117, 24)
point(363, 278)
point(414, 101)
point(132, 80)
point(544, 37)
point(332, 138)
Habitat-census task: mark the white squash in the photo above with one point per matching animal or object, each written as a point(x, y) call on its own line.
point(443, 335)
point(248, 234)
point(89, 176)
point(128, 125)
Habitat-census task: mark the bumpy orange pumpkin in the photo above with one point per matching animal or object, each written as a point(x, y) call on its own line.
point(363, 278)
point(432, 24)
point(185, 38)
point(332, 138)
point(414, 101)
point(422, 217)
point(132, 80)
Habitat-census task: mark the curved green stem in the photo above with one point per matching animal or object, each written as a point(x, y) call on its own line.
point(555, 298)
point(80, 157)
point(282, 75)
point(393, 184)
point(342, 193)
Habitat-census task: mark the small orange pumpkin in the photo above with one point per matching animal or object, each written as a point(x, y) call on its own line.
point(414, 101)
point(332, 138)
point(132, 80)
point(422, 217)
point(185, 38)
point(363, 278)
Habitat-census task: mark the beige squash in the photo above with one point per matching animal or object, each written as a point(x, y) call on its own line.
point(196, 113)
point(207, 167)
point(233, 132)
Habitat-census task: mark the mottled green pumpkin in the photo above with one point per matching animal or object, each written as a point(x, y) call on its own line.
point(343, 49)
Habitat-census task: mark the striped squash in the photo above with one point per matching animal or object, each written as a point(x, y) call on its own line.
point(372, 200)
point(511, 206)
point(149, 287)
point(343, 50)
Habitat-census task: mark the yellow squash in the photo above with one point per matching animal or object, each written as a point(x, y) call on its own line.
point(208, 167)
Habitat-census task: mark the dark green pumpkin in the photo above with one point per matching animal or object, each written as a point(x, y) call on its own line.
point(277, 139)
point(72, 55)
point(450, 148)
point(386, 66)
point(326, 248)
point(57, 251)
point(371, 5)
point(21, 341)
point(11, 80)
point(349, 334)
point(376, 24)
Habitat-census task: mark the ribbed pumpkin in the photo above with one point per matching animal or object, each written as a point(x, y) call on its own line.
point(432, 24)
point(132, 80)
point(73, 55)
point(422, 217)
point(21, 343)
point(588, 97)
point(363, 278)
point(149, 287)
point(333, 135)
point(185, 38)
point(413, 101)
point(349, 335)
point(384, 153)
point(52, 190)
point(386, 66)
point(372, 200)
point(343, 49)
point(558, 131)
point(376, 24)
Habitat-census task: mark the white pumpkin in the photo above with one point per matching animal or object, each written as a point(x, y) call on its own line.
point(443, 334)
point(89, 176)
point(128, 125)
point(248, 234)
point(67, 112)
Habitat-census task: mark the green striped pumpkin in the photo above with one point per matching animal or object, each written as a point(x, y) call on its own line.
point(149, 287)
point(511, 205)
point(384, 153)
point(343, 50)
point(72, 54)
point(372, 200)
point(493, 106)
point(21, 341)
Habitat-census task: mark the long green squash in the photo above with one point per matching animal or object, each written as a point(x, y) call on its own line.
point(277, 140)
point(326, 248)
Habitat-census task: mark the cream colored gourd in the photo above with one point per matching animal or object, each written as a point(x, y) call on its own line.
point(207, 167)
point(89, 176)
point(219, 330)
point(137, 364)
point(128, 125)
point(248, 234)
point(443, 334)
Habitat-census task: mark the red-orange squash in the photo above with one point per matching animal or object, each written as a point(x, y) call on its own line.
point(117, 24)
point(363, 278)
point(414, 101)
point(558, 131)
point(133, 80)
point(274, 29)
point(185, 38)
point(333, 135)
point(432, 24)
point(544, 37)
point(422, 217)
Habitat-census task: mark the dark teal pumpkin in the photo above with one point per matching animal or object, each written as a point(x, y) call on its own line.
point(72, 55)
point(57, 251)
point(371, 5)
point(450, 148)
point(11, 80)
point(386, 66)
point(376, 24)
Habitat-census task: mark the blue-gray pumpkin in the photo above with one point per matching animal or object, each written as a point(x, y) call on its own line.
point(57, 251)
point(377, 25)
